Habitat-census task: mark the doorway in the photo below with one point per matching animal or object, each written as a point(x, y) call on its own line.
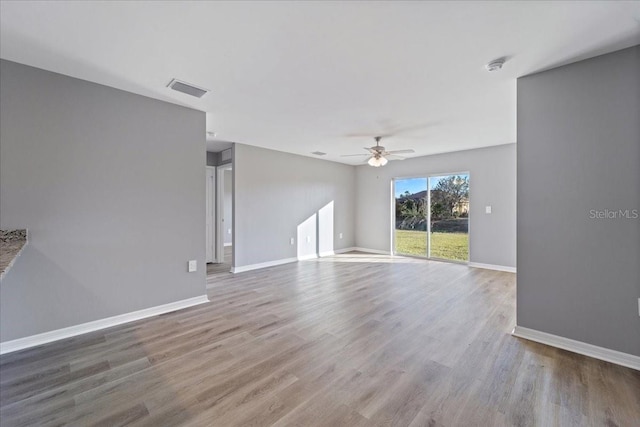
point(431, 217)
point(211, 214)
point(224, 210)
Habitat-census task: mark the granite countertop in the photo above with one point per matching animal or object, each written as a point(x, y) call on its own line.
point(11, 244)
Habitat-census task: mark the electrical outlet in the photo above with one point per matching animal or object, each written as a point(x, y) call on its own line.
point(292, 241)
point(340, 235)
point(487, 209)
point(192, 266)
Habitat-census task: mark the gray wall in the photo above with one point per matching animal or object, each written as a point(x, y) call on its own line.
point(219, 158)
point(212, 159)
point(578, 151)
point(492, 182)
point(110, 185)
point(276, 192)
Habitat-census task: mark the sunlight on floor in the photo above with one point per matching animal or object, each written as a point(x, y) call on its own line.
point(366, 257)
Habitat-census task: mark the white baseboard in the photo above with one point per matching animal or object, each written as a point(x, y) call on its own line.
point(343, 251)
point(96, 325)
point(492, 267)
point(371, 251)
point(608, 355)
point(336, 252)
point(250, 267)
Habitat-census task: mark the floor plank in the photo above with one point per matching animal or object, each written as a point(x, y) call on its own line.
point(349, 340)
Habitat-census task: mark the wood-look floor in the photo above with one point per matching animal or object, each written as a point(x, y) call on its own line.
point(351, 340)
point(223, 267)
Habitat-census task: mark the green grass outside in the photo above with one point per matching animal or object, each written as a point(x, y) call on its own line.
point(453, 246)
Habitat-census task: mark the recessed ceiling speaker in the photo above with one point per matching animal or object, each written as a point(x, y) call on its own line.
point(188, 88)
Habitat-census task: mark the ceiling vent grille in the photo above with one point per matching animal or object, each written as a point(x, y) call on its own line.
point(319, 153)
point(187, 88)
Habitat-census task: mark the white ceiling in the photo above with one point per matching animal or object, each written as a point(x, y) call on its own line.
point(303, 76)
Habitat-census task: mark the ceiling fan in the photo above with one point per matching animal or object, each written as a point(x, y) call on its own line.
point(379, 156)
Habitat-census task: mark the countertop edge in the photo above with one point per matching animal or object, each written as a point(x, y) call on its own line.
point(23, 243)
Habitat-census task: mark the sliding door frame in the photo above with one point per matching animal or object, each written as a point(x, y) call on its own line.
point(220, 225)
point(468, 218)
point(428, 243)
point(393, 217)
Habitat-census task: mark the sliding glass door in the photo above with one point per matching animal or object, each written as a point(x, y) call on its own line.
point(411, 216)
point(449, 217)
point(431, 217)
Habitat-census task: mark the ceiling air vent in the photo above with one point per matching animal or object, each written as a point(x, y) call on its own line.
point(319, 153)
point(187, 88)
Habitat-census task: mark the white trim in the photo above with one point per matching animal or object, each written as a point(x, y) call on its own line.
point(250, 267)
point(220, 225)
point(392, 212)
point(492, 267)
point(371, 251)
point(211, 213)
point(228, 244)
point(344, 250)
point(96, 325)
point(336, 252)
point(608, 355)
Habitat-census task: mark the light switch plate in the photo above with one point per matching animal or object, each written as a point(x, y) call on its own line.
point(487, 209)
point(192, 266)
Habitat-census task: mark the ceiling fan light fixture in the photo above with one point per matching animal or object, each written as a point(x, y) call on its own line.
point(378, 154)
point(377, 161)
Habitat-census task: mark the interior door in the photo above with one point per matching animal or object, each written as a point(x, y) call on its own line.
point(222, 226)
point(210, 228)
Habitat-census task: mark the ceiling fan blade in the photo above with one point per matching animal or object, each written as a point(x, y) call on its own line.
point(413, 128)
point(352, 155)
point(394, 157)
point(369, 135)
point(387, 130)
point(359, 135)
point(401, 151)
